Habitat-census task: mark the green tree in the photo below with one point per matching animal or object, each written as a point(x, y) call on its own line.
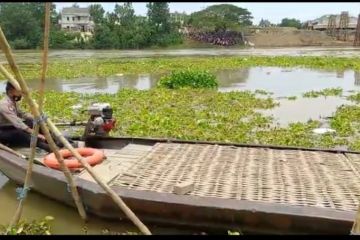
point(159, 16)
point(221, 17)
point(103, 37)
point(97, 13)
point(19, 23)
point(125, 14)
point(287, 22)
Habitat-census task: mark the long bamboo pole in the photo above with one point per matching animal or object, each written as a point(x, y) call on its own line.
point(6, 48)
point(116, 198)
point(36, 127)
point(356, 226)
point(36, 113)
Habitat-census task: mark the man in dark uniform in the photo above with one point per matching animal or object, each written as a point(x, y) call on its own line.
point(16, 126)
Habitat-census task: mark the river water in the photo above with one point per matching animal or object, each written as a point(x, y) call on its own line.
point(282, 82)
point(23, 56)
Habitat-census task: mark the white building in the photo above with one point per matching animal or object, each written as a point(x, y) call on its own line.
point(76, 19)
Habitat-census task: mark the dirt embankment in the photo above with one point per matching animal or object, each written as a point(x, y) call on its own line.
point(292, 37)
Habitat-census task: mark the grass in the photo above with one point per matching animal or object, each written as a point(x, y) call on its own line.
point(106, 67)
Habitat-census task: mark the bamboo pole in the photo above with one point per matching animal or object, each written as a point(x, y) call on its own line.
point(6, 148)
point(33, 142)
point(6, 48)
point(117, 199)
point(36, 113)
point(356, 226)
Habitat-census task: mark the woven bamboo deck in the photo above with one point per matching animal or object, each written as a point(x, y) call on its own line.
point(293, 177)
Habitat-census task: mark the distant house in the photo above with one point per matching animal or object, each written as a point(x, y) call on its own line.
point(76, 19)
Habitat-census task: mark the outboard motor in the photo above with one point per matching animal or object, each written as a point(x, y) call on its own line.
point(101, 120)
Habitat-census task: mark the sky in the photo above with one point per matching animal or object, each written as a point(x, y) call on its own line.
point(272, 11)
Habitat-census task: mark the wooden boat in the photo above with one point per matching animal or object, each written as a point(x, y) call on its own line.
point(257, 189)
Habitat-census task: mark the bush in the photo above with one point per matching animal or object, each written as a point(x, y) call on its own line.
point(20, 44)
point(189, 78)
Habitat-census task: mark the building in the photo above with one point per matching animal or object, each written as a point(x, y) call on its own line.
point(76, 19)
point(322, 23)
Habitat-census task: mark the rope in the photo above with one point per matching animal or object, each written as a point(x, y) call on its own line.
point(42, 118)
point(22, 192)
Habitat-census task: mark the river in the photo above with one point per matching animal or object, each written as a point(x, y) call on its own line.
point(282, 82)
point(23, 56)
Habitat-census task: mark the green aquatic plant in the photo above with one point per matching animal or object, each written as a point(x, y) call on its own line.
point(346, 120)
point(204, 114)
point(35, 227)
point(67, 69)
point(237, 233)
point(292, 98)
point(325, 92)
point(354, 97)
point(189, 78)
point(262, 92)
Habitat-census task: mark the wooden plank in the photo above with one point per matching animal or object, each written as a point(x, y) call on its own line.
point(106, 170)
point(183, 188)
point(118, 161)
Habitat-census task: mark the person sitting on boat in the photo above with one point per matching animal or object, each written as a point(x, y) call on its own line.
point(16, 126)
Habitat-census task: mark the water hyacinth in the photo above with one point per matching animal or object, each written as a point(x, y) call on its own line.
point(189, 78)
point(108, 67)
point(207, 115)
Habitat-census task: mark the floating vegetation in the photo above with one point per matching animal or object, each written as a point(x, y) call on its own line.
point(325, 92)
point(204, 114)
point(346, 120)
point(292, 98)
point(105, 67)
point(354, 98)
point(189, 78)
point(35, 227)
point(262, 92)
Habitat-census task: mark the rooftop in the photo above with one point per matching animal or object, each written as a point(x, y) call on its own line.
point(76, 11)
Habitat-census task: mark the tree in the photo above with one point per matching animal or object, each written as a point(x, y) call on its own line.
point(103, 37)
point(221, 17)
point(264, 23)
point(97, 13)
point(125, 14)
point(19, 23)
point(159, 16)
point(287, 22)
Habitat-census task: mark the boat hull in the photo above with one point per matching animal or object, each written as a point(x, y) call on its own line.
point(206, 213)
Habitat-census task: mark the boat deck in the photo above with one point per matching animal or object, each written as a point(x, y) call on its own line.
point(292, 177)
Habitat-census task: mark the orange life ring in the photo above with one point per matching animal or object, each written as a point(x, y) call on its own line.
point(91, 155)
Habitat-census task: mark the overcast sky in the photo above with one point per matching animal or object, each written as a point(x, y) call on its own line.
point(274, 12)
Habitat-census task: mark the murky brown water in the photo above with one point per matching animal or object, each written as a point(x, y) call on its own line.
point(67, 220)
point(29, 55)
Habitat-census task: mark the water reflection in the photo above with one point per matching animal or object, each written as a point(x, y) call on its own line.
point(26, 56)
point(234, 77)
point(357, 78)
point(304, 109)
point(340, 74)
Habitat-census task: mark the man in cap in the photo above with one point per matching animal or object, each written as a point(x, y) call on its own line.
point(16, 126)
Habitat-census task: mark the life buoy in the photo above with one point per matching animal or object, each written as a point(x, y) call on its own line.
point(91, 155)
